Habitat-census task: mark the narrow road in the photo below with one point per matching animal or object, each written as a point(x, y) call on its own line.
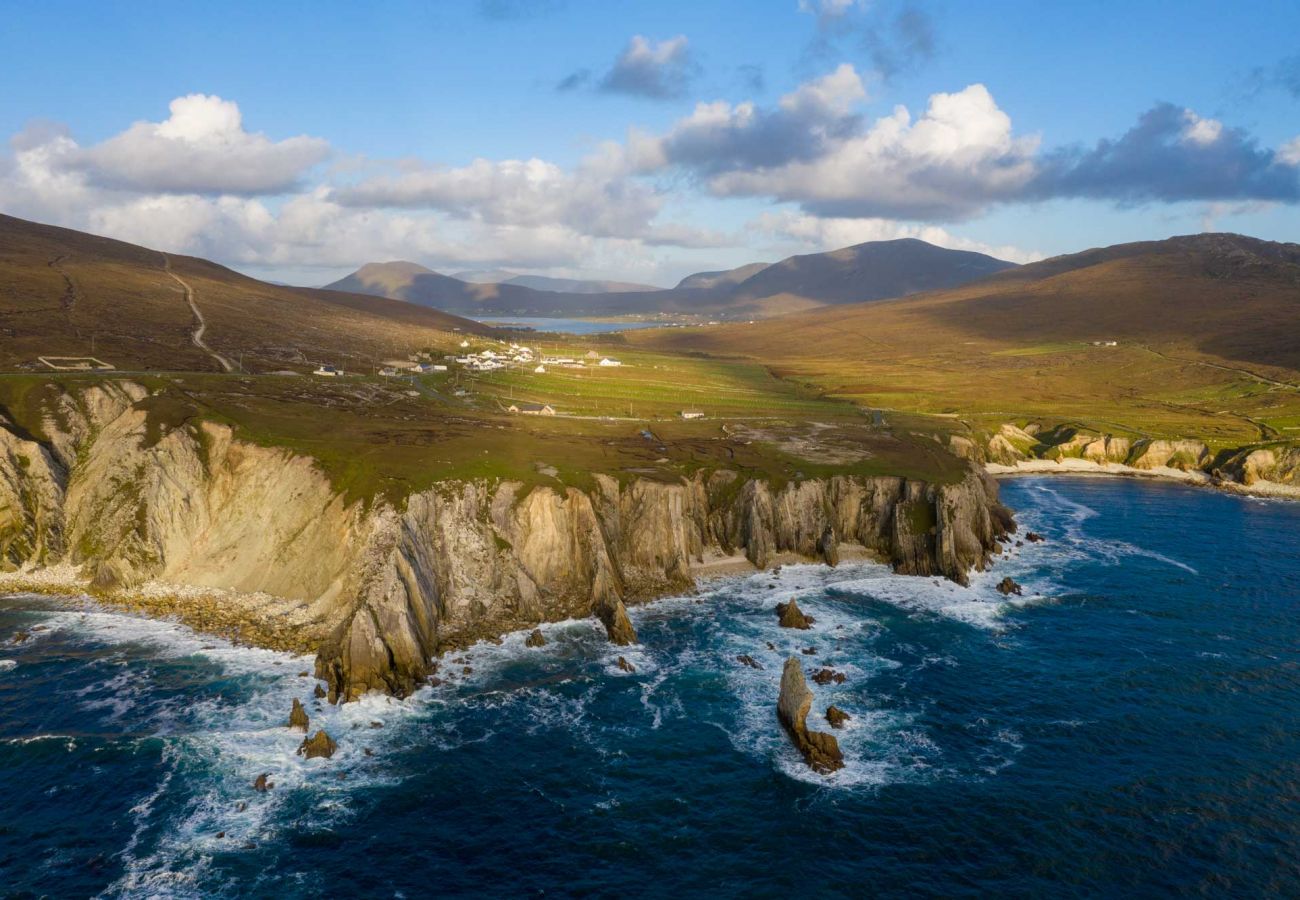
point(70, 294)
point(199, 325)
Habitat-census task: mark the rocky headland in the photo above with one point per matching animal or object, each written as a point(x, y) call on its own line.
point(1270, 469)
point(186, 520)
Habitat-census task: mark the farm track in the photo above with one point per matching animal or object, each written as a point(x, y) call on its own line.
point(200, 325)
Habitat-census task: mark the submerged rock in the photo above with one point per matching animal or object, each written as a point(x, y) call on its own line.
point(836, 716)
point(1034, 537)
point(826, 676)
point(625, 665)
point(298, 716)
point(319, 744)
point(1007, 586)
point(820, 750)
point(536, 639)
point(791, 616)
point(746, 659)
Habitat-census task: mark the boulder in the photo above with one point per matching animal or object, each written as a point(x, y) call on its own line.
point(1034, 537)
point(820, 750)
point(319, 692)
point(1007, 586)
point(625, 665)
point(536, 639)
point(791, 616)
point(261, 784)
point(746, 659)
point(836, 716)
point(319, 744)
point(298, 716)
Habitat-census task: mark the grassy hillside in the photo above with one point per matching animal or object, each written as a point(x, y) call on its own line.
point(1205, 329)
point(65, 293)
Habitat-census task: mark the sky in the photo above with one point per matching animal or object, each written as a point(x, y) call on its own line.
point(644, 141)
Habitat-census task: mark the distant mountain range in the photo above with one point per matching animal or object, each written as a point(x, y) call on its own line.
point(545, 283)
point(870, 271)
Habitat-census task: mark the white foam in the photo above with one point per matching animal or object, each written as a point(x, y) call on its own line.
point(7, 664)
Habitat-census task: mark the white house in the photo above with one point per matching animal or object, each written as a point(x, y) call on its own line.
point(328, 371)
point(609, 362)
point(540, 370)
point(691, 414)
point(388, 372)
point(532, 409)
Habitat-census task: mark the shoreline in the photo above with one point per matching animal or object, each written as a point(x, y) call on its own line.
point(1079, 468)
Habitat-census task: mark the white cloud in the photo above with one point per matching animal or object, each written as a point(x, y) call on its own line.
point(1201, 131)
point(1289, 153)
point(201, 148)
point(658, 70)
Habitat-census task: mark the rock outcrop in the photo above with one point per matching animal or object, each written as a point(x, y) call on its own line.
point(319, 745)
point(836, 716)
point(819, 749)
point(187, 520)
point(535, 639)
point(789, 615)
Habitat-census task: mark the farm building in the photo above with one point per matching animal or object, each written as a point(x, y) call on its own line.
point(532, 409)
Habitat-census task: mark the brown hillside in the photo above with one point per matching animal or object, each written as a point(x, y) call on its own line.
point(64, 293)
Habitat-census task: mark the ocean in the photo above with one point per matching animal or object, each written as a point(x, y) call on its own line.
point(1130, 726)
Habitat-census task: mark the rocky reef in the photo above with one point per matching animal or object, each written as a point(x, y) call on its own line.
point(233, 537)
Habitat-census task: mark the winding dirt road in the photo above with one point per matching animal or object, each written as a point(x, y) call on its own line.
point(200, 326)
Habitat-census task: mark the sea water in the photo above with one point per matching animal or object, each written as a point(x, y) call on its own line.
point(1130, 726)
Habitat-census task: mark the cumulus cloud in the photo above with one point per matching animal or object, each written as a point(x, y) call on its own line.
point(1172, 155)
point(202, 148)
point(894, 38)
point(660, 71)
point(814, 150)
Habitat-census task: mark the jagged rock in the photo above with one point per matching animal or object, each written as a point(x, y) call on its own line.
point(826, 676)
point(367, 751)
point(625, 665)
point(1034, 537)
point(298, 716)
point(1007, 586)
point(771, 646)
point(791, 616)
point(748, 660)
point(836, 716)
point(20, 637)
point(536, 639)
point(613, 614)
point(318, 692)
point(820, 750)
point(809, 651)
point(319, 744)
point(261, 784)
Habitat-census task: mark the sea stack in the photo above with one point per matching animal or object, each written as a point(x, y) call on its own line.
point(792, 616)
point(820, 750)
point(536, 639)
point(298, 716)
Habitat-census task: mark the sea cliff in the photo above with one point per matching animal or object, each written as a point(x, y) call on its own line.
point(185, 519)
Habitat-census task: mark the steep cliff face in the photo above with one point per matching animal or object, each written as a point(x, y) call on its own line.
point(467, 562)
point(380, 591)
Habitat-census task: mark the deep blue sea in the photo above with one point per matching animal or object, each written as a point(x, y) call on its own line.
point(1130, 727)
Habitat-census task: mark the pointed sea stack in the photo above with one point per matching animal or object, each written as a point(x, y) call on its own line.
point(820, 750)
point(298, 716)
point(792, 616)
point(536, 639)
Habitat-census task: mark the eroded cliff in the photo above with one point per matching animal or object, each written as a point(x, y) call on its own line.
point(253, 540)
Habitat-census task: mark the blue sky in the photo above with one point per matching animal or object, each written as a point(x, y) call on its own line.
point(645, 140)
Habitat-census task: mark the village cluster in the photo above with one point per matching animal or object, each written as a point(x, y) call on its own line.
point(510, 356)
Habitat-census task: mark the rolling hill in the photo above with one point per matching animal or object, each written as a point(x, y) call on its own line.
point(71, 294)
point(1204, 329)
point(869, 271)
